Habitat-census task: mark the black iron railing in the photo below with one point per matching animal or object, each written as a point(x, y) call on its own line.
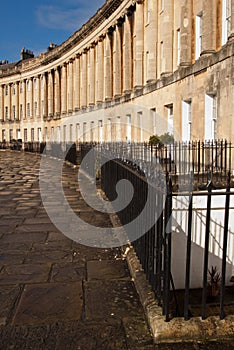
point(154, 247)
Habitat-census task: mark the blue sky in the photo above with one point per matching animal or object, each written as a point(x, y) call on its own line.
point(33, 24)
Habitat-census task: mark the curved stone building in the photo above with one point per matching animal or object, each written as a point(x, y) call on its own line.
point(136, 68)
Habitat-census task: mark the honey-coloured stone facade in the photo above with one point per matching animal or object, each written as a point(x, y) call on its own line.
point(136, 68)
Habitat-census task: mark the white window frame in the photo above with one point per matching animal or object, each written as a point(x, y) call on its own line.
point(186, 120)
point(178, 46)
point(226, 20)
point(210, 117)
point(198, 35)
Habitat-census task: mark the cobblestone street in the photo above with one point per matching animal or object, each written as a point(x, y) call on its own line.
point(55, 293)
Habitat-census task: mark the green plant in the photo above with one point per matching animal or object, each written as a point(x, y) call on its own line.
point(214, 281)
point(161, 140)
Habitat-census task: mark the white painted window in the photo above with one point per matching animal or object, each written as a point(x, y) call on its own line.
point(25, 135)
point(39, 135)
point(154, 120)
point(186, 120)
point(78, 132)
point(128, 129)
point(64, 133)
point(139, 126)
point(6, 112)
point(28, 85)
point(11, 134)
point(71, 132)
point(18, 134)
point(92, 131)
point(118, 129)
point(198, 36)
point(28, 110)
point(100, 131)
point(3, 134)
point(108, 131)
point(210, 117)
point(13, 112)
point(178, 46)
point(170, 119)
point(32, 134)
point(226, 20)
point(52, 134)
point(58, 134)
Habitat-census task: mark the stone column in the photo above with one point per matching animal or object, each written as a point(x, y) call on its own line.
point(24, 98)
point(84, 79)
point(138, 44)
point(17, 100)
point(31, 98)
point(108, 66)
point(186, 34)
point(50, 94)
point(77, 83)
point(45, 95)
point(38, 97)
point(64, 89)
point(209, 26)
point(117, 60)
point(70, 86)
point(167, 35)
point(100, 71)
point(91, 75)
point(10, 102)
point(1, 104)
point(57, 89)
point(127, 54)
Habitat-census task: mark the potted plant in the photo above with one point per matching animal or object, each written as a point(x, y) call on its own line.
point(214, 282)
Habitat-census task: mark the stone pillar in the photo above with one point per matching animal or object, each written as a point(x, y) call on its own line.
point(17, 100)
point(167, 35)
point(108, 66)
point(150, 41)
point(186, 34)
point(117, 59)
point(44, 96)
point(91, 75)
point(24, 98)
point(70, 86)
point(100, 71)
point(31, 98)
point(50, 94)
point(38, 97)
point(138, 44)
point(64, 89)
point(1, 104)
point(127, 54)
point(209, 26)
point(77, 83)
point(84, 79)
point(57, 89)
point(10, 102)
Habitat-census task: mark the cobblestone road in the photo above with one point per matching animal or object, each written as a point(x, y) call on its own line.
point(55, 293)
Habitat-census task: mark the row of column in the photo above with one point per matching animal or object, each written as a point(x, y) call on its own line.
point(137, 49)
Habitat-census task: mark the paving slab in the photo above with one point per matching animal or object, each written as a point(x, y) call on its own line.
point(8, 298)
point(23, 273)
point(48, 303)
point(107, 270)
point(68, 272)
point(116, 298)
